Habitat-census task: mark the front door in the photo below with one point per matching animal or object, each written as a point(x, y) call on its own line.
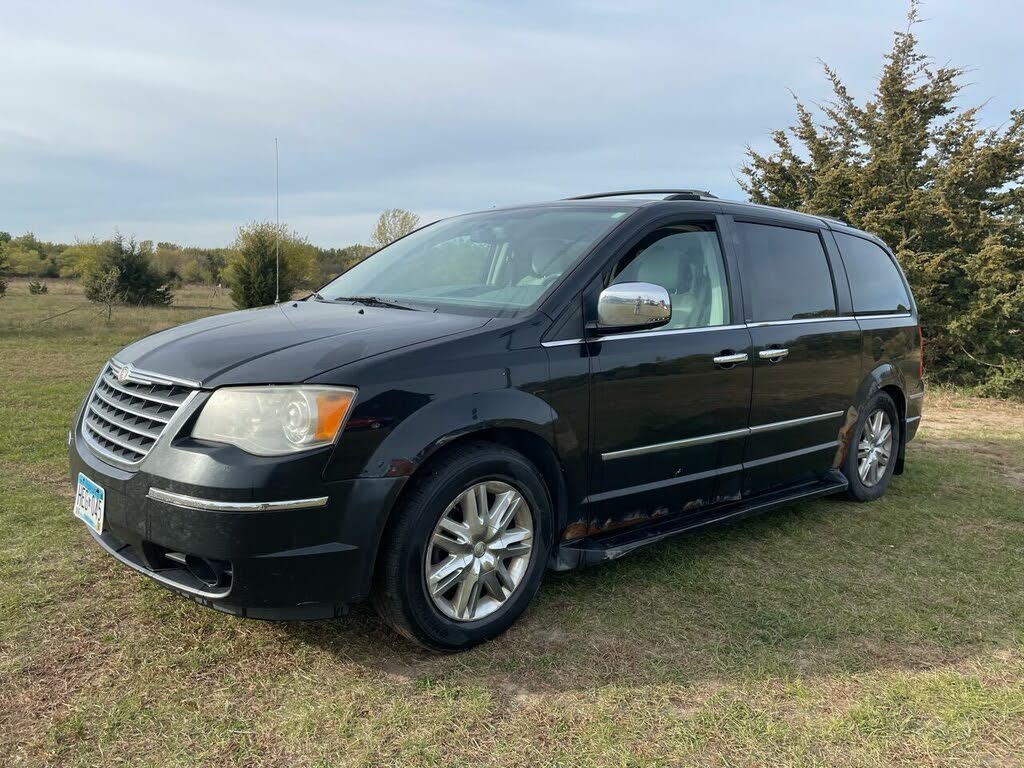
point(806, 354)
point(670, 405)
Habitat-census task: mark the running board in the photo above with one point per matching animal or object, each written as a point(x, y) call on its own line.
point(592, 550)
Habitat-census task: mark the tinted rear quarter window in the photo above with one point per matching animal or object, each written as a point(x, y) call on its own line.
point(875, 282)
point(785, 272)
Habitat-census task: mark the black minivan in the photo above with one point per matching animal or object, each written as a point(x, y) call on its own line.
point(497, 394)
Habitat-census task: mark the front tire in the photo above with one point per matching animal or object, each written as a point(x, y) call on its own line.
point(874, 447)
point(467, 548)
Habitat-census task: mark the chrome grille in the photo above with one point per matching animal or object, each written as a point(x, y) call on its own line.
point(126, 416)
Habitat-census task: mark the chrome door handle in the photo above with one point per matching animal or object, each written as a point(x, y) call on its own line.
point(772, 354)
point(739, 357)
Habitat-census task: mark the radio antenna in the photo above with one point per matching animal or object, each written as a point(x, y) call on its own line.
point(277, 228)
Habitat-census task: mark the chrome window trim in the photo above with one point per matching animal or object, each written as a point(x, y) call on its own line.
point(561, 343)
point(210, 505)
point(800, 321)
point(642, 335)
point(892, 316)
point(716, 436)
point(732, 327)
point(669, 332)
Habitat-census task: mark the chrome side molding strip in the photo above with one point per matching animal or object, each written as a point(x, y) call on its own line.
point(191, 502)
point(717, 436)
point(772, 426)
point(701, 440)
point(915, 396)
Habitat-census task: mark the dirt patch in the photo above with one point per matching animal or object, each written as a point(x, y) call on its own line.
point(999, 456)
point(947, 414)
point(981, 427)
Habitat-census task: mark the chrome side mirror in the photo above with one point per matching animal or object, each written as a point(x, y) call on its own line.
point(633, 306)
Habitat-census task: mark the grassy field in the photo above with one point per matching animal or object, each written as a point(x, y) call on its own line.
point(829, 634)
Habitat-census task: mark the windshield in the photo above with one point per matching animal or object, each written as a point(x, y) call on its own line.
point(496, 262)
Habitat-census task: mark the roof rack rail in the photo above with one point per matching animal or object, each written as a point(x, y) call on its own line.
point(672, 194)
point(834, 220)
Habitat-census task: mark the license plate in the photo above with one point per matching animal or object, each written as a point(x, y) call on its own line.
point(89, 500)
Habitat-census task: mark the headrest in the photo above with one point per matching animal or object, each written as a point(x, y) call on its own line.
point(660, 265)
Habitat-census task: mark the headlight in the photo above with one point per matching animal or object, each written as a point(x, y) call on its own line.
point(273, 421)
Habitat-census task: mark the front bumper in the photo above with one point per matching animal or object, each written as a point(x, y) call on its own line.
point(275, 561)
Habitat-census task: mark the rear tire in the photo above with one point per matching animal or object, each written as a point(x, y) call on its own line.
point(449, 583)
point(873, 450)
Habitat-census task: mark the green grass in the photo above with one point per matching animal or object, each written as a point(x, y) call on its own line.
point(825, 634)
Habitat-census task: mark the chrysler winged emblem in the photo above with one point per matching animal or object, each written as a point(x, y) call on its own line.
point(124, 374)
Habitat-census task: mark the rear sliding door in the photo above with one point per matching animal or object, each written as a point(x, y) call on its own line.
point(806, 352)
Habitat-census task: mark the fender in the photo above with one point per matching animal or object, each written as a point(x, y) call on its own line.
point(419, 437)
point(883, 375)
point(441, 422)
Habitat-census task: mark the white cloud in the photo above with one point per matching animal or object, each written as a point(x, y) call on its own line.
point(163, 116)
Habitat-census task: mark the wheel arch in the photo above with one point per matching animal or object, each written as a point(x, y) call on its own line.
point(484, 416)
point(888, 378)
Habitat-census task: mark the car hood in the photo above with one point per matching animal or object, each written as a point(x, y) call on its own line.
point(286, 343)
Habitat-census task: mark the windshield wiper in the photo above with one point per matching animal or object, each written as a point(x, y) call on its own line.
point(374, 301)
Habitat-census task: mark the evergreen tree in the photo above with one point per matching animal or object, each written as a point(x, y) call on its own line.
point(138, 282)
point(920, 172)
point(251, 268)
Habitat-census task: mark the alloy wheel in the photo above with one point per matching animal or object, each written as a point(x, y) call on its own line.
point(479, 551)
point(874, 448)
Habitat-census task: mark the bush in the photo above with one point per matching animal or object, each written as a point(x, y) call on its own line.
point(104, 287)
point(37, 288)
point(1006, 381)
point(251, 267)
point(138, 282)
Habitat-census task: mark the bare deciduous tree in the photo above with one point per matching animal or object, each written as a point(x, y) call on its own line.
point(106, 289)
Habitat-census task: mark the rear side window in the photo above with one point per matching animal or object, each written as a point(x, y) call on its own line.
point(786, 273)
point(875, 281)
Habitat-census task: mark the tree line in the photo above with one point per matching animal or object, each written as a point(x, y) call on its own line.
point(124, 270)
point(910, 164)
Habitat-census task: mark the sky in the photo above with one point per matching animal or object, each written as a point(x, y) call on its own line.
point(159, 119)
